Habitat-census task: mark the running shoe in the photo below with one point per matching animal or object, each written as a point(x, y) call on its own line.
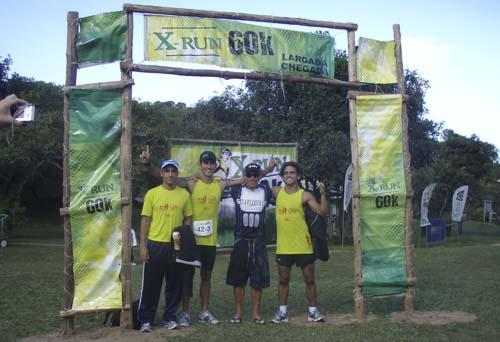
point(207, 317)
point(146, 327)
point(184, 320)
point(315, 316)
point(280, 317)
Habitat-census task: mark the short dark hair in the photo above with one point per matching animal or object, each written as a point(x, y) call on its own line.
point(293, 164)
point(207, 156)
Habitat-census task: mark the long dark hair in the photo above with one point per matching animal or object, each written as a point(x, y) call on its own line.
point(293, 164)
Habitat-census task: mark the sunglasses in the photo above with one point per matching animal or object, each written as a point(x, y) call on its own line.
point(252, 175)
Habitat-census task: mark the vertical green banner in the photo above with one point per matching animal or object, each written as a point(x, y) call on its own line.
point(95, 210)
point(102, 38)
point(376, 61)
point(383, 194)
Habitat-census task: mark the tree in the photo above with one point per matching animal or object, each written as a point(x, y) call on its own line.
point(463, 161)
point(30, 167)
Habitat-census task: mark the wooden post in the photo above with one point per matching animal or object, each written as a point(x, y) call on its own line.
point(126, 181)
point(359, 306)
point(409, 302)
point(72, 31)
point(237, 16)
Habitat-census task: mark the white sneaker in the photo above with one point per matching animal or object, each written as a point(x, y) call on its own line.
point(184, 320)
point(280, 317)
point(315, 316)
point(146, 327)
point(207, 317)
point(170, 325)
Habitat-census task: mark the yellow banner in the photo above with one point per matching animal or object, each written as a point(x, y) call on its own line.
point(383, 194)
point(234, 44)
point(376, 61)
point(95, 210)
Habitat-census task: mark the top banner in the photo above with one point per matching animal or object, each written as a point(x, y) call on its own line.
point(233, 44)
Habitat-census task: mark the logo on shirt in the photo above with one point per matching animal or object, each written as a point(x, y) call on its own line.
point(288, 211)
point(170, 207)
point(206, 199)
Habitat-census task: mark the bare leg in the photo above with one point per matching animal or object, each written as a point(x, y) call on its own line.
point(256, 295)
point(284, 274)
point(185, 303)
point(205, 289)
point(239, 295)
point(308, 273)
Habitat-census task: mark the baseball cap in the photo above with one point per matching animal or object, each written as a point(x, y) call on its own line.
point(170, 162)
point(207, 156)
point(252, 169)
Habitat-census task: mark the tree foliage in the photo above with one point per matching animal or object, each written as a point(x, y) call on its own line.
point(315, 116)
point(30, 166)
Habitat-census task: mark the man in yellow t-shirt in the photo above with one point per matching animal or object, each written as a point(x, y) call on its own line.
point(293, 242)
point(165, 208)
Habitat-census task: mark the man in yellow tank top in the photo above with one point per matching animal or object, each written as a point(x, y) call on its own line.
point(293, 242)
point(205, 197)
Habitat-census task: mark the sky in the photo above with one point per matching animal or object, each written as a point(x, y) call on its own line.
point(452, 44)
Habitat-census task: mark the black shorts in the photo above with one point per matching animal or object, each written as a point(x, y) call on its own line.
point(249, 260)
point(301, 260)
point(207, 257)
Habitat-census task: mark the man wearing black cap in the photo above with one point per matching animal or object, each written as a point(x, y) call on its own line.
point(249, 257)
point(165, 207)
point(206, 193)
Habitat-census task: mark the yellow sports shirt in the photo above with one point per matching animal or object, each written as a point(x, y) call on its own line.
point(167, 209)
point(205, 200)
point(292, 231)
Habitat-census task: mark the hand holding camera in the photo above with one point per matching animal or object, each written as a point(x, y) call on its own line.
point(24, 112)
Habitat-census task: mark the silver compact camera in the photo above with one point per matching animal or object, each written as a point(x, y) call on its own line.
point(25, 113)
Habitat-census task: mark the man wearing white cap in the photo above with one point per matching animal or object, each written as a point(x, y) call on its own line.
point(165, 208)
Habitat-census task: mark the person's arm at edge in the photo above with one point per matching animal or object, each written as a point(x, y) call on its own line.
point(319, 208)
point(270, 167)
point(5, 118)
point(275, 190)
point(146, 162)
point(145, 224)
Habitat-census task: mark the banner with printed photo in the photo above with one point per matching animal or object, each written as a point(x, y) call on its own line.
point(95, 209)
point(458, 204)
point(231, 160)
point(376, 61)
point(233, 44)
point(383, 194)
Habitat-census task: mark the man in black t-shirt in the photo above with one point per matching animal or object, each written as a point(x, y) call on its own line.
point(249, 257)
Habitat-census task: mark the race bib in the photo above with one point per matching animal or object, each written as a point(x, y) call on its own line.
point(203, 228)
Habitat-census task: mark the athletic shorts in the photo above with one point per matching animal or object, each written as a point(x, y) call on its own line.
point(249, 260)
point(300, 260)
point(207, 257)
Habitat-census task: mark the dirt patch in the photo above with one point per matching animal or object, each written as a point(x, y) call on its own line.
point(433, 317)
point(112, 335)
point(337, 319)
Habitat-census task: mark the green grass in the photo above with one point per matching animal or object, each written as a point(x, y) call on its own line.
point(460, 274)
